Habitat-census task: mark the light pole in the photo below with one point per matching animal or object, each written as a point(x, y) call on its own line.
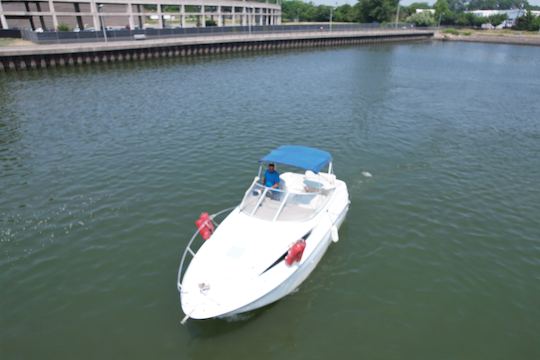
point(249, 19)
point(331, 13)
point(397, 14)
point(100, 7)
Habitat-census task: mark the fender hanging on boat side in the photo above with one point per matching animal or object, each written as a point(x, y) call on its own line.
point(335, 234)
point(295, 252)
point(205, 225)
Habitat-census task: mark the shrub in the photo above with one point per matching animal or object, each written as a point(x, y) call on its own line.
point(210, 22)
point(528, 22)
point(451, 31)
point(63, 27)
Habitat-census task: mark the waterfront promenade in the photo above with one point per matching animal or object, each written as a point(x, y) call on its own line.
point(40, 56)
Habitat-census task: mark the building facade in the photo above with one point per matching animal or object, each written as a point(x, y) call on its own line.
point(85, 15)
point(511, 15)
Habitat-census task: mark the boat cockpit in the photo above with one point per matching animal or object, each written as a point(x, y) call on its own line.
point(299, 197)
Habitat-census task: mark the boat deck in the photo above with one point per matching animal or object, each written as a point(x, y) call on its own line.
point(269, 207)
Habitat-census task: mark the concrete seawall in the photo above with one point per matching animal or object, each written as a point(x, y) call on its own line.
point(44, 56)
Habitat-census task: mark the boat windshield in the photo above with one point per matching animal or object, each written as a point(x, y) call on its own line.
point(284, 204)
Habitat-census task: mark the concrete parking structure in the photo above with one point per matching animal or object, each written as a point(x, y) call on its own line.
point(81, 15)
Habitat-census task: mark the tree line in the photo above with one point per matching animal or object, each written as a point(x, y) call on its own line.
point(447, 12)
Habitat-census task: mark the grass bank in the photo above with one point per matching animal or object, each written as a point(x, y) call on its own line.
point(5, 42)
point(490, 36)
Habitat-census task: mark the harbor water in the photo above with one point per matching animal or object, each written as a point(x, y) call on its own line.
point(104, 169)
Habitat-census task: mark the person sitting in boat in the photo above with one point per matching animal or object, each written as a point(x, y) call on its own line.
point(271, 177)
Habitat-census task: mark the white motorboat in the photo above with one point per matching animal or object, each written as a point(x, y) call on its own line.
point(268, 245)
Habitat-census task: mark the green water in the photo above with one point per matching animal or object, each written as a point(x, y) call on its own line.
point(103, 170)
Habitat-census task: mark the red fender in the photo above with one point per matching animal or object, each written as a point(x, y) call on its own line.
point(295, 252)
point(205, 226)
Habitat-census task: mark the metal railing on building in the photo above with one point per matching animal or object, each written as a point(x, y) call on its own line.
point(51, 37)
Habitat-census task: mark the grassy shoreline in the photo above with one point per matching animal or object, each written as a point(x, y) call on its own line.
point(490, 36)
point(5, 42)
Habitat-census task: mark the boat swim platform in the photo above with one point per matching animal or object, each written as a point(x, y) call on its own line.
point(76, 54)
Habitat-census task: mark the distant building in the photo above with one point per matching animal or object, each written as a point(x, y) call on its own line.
point(511, 15)
point(431, 11)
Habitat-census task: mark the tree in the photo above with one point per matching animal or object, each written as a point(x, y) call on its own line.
point(345, 13)
point(419, 5)
point(497, 19)
point(457, 6)
point(322, 13)
point(528, 22)
point(421, 19)
point(377, 10)
point(443, 14)
point(296, 10)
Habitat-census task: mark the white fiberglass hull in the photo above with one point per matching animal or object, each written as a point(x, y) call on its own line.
point(242, 268)
point(295, 280)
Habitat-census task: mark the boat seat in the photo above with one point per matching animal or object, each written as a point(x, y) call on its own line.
point(317, 182)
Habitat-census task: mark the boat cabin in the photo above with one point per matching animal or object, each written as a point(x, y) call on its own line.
point(301, 195)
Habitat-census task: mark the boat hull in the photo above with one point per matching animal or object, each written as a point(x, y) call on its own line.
point(241, 267)
point(297, 278)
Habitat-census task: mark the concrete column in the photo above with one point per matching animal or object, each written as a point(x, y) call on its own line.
point(141, 22)
point(219, 17)
point(130, 14)
point(27, 7)
point(95, 15)
point(260, 17)
point(244, 16)
point(77, 9)
point(41, 20)
point(160, 14)
point(203, 17)
point(3, 20)
point(182, 16)
point(53, 12)
point(233, 18)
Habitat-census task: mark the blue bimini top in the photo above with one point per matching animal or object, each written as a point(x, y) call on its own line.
point(299, 156)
